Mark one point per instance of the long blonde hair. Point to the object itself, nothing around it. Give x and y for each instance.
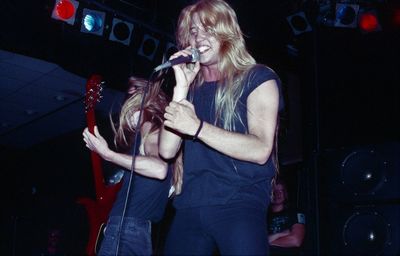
(154, 106)
(218, 18)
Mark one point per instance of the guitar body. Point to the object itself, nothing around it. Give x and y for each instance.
(97, 211)
(99, 208)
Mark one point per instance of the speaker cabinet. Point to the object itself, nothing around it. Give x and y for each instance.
(359, 200)
(361, 174)
(360, 230)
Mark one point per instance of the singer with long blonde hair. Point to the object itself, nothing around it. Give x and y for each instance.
(224, 113)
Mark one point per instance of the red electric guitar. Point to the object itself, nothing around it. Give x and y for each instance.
(99, 208)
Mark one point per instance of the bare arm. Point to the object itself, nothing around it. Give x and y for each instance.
(256, 146)
(149, 165)
(275, 236)
(293, 238)
(170, 139)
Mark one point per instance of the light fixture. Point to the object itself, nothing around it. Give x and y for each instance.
(121, 31)
(65, 10)
(149, 47)
(346, 15)
(369, 22)
(299, 23)
(92, 21)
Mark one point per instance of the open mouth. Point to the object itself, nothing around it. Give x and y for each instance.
(203, 49)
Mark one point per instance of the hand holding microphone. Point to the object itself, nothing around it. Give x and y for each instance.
(184, 75)
(193, 57)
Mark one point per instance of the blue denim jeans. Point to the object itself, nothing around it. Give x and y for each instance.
(135, 237)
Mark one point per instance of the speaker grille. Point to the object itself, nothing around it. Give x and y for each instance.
(363, 172)
(366, 234)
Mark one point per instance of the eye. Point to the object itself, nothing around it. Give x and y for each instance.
(193, 31)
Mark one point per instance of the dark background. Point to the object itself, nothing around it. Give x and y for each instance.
(341, 88)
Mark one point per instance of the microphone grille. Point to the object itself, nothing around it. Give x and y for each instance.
(195, 54)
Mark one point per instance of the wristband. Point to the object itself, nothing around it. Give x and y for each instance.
(198, 130)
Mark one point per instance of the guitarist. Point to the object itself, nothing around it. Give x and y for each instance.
(151, 181)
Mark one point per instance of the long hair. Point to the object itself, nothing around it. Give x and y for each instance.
(219, 19)
(154, 106)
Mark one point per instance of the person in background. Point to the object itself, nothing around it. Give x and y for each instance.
(286, 225)
(148, 194)
(224, 114)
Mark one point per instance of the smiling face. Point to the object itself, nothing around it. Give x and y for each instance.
(205, 41)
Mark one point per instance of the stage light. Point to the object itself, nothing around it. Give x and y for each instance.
(65, 10)
(149, 47)
(93, 21)
(346, 15)
(368, 22)
(299, 23)
(121, 31)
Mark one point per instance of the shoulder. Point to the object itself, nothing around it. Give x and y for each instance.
(259, 75)
(149, 139)
(262, 81)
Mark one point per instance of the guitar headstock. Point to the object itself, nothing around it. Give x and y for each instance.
(94, 88)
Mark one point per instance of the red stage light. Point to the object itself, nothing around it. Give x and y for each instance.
(65, 9)
(369, 22)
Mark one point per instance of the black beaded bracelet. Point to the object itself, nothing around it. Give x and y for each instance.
(198, 130)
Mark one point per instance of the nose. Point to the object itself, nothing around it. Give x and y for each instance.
(200, 35)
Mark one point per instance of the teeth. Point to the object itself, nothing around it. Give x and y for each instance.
(203, 49)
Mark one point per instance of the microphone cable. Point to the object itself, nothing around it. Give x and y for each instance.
(131, 176)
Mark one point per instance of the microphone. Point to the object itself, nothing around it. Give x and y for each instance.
(195, 56)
